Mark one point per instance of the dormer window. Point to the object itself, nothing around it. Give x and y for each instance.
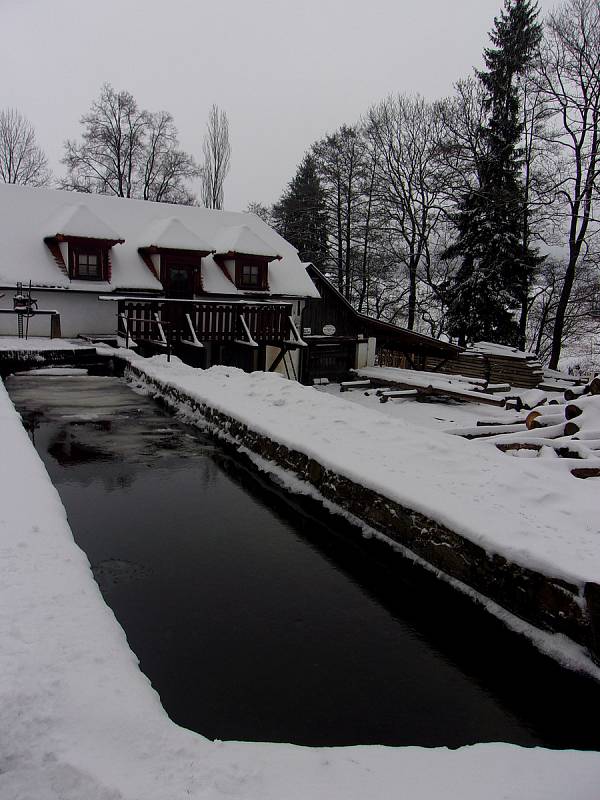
(250, 277)
(244, 255)
(82, 244)
(88, 264)
(251, 273)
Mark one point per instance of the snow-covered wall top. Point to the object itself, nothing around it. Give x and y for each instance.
(27, 215)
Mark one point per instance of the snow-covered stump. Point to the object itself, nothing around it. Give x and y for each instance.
(548, 602)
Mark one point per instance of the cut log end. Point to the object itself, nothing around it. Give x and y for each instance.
(571, 428)
(586, 472)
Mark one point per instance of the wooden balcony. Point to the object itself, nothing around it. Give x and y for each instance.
(197, 322)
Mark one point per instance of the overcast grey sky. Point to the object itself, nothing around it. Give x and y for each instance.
(285, 72)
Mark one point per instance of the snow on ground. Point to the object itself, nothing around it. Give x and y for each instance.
(527, 512)
(79, 720)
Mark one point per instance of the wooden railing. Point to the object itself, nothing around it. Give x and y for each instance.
(210, 321)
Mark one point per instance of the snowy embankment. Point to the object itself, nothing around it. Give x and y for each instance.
(529, 515)
(39, 344)
(79, 720)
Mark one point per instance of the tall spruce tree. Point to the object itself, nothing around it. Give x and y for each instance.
(496, 264)
(300, 216)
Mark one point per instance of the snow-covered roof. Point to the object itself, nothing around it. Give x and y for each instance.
(242, 239)
(172, 233)
(214, 279)
(79, 220)
(28, 215)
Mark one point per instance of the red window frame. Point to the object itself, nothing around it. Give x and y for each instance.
(101, 254)
(258, 267)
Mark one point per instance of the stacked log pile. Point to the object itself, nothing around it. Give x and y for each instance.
(567, 429)
(494, 363)
(391, 381)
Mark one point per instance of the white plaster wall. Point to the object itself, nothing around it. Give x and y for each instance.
(64, 249)
(155, 258)
(229, 264)
(79, 313)
(362, 354)
(273, 352)
(372, 347)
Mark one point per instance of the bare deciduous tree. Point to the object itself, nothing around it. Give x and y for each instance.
(217, 158)
(340, 160)
(21, 159)
(406, 133)
(569, 79)
(261, 211)
(463, 117)
(165, 167)
(128, 152)
(105, 162)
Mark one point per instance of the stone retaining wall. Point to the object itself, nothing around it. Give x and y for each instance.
(549, 603)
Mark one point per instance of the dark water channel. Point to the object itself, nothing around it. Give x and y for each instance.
(259, 617)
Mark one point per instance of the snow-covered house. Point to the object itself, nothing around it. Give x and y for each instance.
(238, 288)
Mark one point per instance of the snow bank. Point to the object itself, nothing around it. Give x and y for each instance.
(79, 720)
(527, 513)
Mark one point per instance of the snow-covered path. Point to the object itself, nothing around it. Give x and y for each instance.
(78, 719)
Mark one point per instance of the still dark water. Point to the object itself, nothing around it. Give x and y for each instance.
(260, 618)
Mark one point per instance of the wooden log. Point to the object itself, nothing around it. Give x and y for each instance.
(571, 428)
(545, 420)
(500, 422)
(402, 394)
(575, 391)
(554, 374)
(593, 434)
(346, 386)
(531, 417)
(505, 447)
(591, 444)
(537, 436)
(513, 403)
(586, 472)
(497, 387)
(482, 432)
(572, 411)
(556, 386)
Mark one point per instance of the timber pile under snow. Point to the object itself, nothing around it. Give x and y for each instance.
(567, 428)
(495, 362)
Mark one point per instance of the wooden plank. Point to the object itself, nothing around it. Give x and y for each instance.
(399, 395)
(346, 386)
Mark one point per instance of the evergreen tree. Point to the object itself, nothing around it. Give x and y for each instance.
(300, 216)
(496, 264)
